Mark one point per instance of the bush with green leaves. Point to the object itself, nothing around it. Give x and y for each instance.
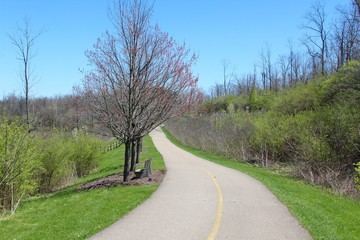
(295, 100)
(260, 100)
(19, 164)
(85, 153)
(312, 128)
(58, 169)
(357, 175)
(68, 156)
(344, 86)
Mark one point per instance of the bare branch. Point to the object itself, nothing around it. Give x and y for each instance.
(24, 40)
(316, 34)
(141, 77)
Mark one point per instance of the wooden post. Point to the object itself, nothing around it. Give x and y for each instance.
(147, 171)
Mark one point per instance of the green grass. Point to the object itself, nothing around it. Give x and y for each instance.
(150, 151)
(323, 214)
(70, 214)
(113, 161)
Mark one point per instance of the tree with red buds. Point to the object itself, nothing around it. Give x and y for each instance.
(140, 76)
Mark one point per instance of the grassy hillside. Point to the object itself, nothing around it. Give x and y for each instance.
(310, 130)
(73, 214)
(323, 214)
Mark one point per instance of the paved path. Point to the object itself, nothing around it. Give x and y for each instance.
(202, 200)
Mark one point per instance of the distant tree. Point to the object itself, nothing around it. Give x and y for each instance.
(10, 106)
(284, 69)
(345, 38)
(24, 40)
(263, 65)
(316, 36)
(243, 84)
(141, 77)
(267, 69)
(227, 77)
(217, 90)
(357, 4)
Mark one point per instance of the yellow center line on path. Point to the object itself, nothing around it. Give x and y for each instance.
(217, 223)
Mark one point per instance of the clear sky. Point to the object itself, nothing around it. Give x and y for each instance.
(217, 30)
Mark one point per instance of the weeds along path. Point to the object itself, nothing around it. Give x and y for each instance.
(202, 200)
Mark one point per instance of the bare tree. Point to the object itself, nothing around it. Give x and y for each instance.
(284, 66)
(243, 84)
(316, 36)
(345, 36)
(266, 67)
(263, 69)
(291, 60)
(24, 40)
(217, 91)
(338, 42)
(227, 77)
(357, 4)
(141, 77)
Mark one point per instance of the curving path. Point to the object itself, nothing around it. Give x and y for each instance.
(202, 200)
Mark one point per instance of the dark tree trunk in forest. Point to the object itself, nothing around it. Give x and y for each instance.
(3, 199)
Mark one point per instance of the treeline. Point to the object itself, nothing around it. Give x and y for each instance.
(60, 143)
(311, 131)
(45, 113)
(40, 162)
(328, 42)
(64, 113)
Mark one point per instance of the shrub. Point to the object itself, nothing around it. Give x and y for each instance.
(343, 86)
(19, 164)
(262, 100)
(294, 100)
(312, 128)
(56, 161)
(357, 175)
(86, 151)
(68, 156)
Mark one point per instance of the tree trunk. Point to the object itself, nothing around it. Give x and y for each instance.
(2, 199)
(127, 158)
(133, 153)
(138, 150)
(5, 201)
(12, 202)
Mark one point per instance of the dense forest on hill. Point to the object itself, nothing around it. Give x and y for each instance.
(311, 131)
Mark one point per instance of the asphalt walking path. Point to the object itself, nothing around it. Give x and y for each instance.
(199, 199)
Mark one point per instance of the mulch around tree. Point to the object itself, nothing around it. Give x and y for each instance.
(117, 179)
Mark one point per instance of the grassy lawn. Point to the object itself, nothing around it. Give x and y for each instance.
(70, 214)
(113, 161)
(323, 214)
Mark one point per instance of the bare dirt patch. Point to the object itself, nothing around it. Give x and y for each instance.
(117, 179)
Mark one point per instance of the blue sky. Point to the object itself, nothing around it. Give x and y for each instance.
(232, 30)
